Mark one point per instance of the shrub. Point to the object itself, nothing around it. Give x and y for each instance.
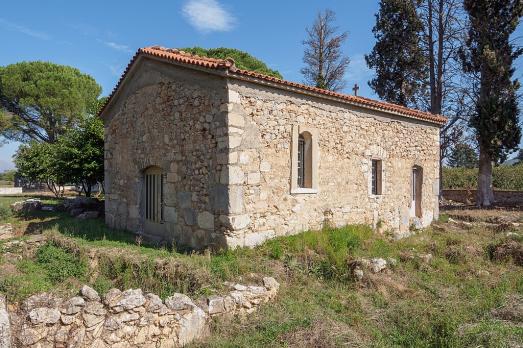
(503, 178)
(60, 264)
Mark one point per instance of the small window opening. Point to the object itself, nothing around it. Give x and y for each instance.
(301, 161)
(376, 177)
(154, 195)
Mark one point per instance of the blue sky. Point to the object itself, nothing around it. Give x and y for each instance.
(100, 37)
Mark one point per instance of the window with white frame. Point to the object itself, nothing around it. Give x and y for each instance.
(376, 177)
(304, 177)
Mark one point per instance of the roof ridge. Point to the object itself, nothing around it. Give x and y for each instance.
(228, 64)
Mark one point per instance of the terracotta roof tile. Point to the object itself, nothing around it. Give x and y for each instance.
(227, 65)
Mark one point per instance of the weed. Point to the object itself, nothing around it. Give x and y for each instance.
(60, 264)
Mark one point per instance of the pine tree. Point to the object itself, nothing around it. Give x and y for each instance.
(397, 56)
(325, 64)
(490, 55)
(464, 156)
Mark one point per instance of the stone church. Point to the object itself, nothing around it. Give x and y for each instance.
(205, 155)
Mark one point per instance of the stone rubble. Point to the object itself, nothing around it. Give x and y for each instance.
(6, 231)
(127, 318)
(29, 205)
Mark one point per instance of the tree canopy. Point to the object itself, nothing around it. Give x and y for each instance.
(397, 56)
(464, 156)
(243, 60)
(41, 100)
(489, 55)
(76, 157)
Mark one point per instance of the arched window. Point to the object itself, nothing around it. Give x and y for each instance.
(153, 182)
(304, 160)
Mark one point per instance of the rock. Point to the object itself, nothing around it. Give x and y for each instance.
(6, 231)
(41, 300)
(47, 208)
(270, 283)
(111, 297)
(377, 265)
(5, 327)
(95, 308)
(31, 335)
(26, 206)
(392, 261)
(179, 302)
(358, 273)
(426, 258)
(73, 305)
(92, 319)
(131, 299)
(153, 303)
(193, 325)
(44, 315)
(88, 215)
(215, 305)
(89, 293)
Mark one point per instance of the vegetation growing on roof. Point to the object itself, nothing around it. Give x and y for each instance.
(242, 60)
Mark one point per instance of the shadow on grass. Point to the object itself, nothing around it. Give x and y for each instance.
(91, 230)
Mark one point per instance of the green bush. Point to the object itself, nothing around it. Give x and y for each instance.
(60, 264)
(503, 178)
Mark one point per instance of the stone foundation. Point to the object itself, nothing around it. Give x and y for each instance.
(123, 319)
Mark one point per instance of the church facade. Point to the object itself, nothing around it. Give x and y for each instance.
(205, 155)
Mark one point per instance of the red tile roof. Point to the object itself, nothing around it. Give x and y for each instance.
(228, 67)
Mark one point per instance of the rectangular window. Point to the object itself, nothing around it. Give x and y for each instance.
(376, 177)
(301, 162)
(154, 197)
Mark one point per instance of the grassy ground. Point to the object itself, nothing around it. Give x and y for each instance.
(462, 297)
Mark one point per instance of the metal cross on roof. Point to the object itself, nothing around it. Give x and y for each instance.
(356, 88)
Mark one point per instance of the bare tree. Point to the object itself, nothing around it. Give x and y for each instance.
(449, 90)
(325, 64)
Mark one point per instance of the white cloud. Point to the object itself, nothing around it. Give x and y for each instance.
(24, 30)
(208, 15)
(117, 46)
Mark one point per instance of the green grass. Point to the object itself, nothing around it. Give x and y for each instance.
(443, 303)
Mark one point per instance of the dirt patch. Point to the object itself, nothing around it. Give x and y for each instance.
(507, 250)
(492, 216)
(321, 334)
(511, 311)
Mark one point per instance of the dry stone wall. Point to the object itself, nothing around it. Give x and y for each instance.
(259, 166)
(123, 319)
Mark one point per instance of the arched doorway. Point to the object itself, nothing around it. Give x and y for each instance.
(416, 191)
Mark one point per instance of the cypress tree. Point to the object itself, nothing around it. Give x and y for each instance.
(490, 55)
(397, 57)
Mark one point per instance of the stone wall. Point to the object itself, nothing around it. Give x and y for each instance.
(348, 138)
(123, 319)
(510, 198)
(171, 118)
(5, 191)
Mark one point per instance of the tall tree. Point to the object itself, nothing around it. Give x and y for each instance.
(490, 55)
(41, 100)
(397, 56)
(325, 65)
(447, 88)
(463, 155)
